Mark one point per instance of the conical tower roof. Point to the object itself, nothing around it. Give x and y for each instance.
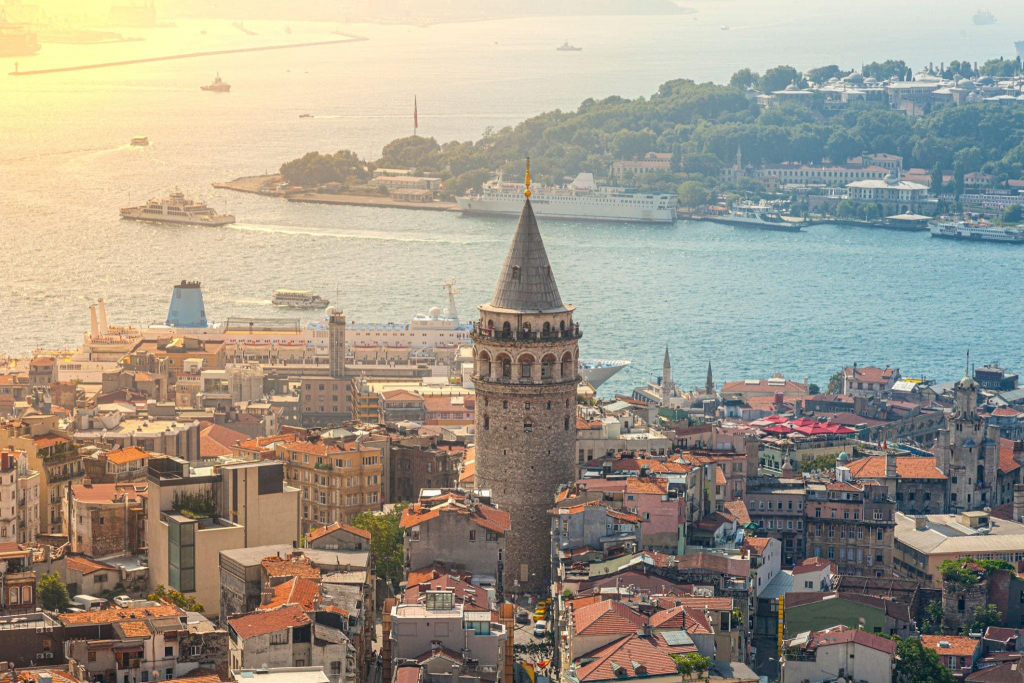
(527, 282)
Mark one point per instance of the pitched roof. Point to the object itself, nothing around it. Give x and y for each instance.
(197, 676)
(126, 455)
(756, 544)
(959, 646)
(263, 441)
(108, 493)
(630, 657)
(298, 591)
(643, 485)
(293, 565)
(320, 532)
(907, 467)
(527, 282)
(845, 634)
(260, 623)
(483, 515)
(1007, 463)
(87, 566)
(813, 564)
(607, 616)
(738, 509)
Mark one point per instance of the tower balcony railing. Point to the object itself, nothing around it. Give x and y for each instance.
(527, 381)
(570, 333)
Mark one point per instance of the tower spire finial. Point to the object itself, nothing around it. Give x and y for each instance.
(527, 190)
(967, 369)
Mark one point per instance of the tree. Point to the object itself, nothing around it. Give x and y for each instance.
(936, 179)
(933, 618)
(176, 598)
(691, 663)
(917, 664)
(702, 164)
(53, 594)
(778, 77)
(692, 194)
(1014, 213)
(958, 178)
(835, 383)
(411, 152)
(983, 617)
(823, 73)
(813, 389)
(630, 144)
(744, 78)
(890, 68)
(385, 542)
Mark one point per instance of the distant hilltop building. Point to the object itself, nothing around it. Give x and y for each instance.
(653, 162)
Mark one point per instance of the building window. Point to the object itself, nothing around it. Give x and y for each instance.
(181, 555)
(472, 535)
(527, 427)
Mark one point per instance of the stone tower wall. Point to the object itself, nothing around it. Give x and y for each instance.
(336, 343)
(526, 449)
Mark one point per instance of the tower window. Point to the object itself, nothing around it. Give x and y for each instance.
(566, 424)
(527, 426)
(487, 421)
(515, 272)
(527, 405)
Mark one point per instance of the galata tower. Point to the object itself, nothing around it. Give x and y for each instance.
(525, 349)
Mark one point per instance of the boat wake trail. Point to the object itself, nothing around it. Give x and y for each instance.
(368, 235)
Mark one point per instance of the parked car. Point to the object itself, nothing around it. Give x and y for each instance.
(540, 629)
(522, 617)
(123, 601)
(89, 602)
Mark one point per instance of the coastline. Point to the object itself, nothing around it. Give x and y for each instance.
(262, 184)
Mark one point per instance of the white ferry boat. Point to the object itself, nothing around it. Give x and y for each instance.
(597, 372)
(582, 199)
(761, 216)
(176, 209)
(298, 298)
(974, 230)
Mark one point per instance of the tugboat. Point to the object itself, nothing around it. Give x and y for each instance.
(217, 85)
(566, 47)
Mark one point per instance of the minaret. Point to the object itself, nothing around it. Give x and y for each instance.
(709, 384)
(666, 379)
(525, 350)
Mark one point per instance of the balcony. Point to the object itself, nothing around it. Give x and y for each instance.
(526, 336)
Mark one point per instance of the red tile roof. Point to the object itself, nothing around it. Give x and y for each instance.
(844, 634)
(813, 564)
(293, 565)
(959, 646)
(907, 467)
(320, 532)
(116, 614)
(87, 566)
(298, 591)
(108, 493)
(630, 657)
(638, 485)
(488, 517)
(197, 676)
(126, 455)
(261, 623)
(264, 441)
(738, 509)
(606, 617)
(1007, 463)
(714, 563)
(756, 544)
(47, 440)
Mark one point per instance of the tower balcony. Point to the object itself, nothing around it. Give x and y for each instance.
(482, 333)
(527, 381)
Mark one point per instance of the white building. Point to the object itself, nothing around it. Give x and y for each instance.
(837, 652)
(19, 499)
(889, 189)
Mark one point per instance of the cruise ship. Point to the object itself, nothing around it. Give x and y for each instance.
(582, 199)
(176, 209)
(298, 298)
(974, 230)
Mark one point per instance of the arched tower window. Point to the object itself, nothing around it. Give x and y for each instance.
(526, 328)
(483, 368)
(547, 366)
(525, 366)
(506, 366)
(527, 426)
(567, 371)
(506, 330)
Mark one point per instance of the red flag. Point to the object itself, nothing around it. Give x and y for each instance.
(415, 114)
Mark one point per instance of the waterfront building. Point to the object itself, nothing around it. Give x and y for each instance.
(894, 194)
(652, 162)
(868, 381)
(832, 175)
(407, 182)
(195, 513)
(338, 478)
(526, 373)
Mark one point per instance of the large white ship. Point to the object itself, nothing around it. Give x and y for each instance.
(975, 231)
(582, 199)
(176, 209)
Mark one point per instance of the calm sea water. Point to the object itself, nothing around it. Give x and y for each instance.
(751, 303)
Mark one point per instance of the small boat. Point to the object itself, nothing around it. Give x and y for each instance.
(140, 141)
(217, 85)
(566, 47)
(725, 27)
(980, 231)
(305, 116)
(759, 216)
(176, 208)
(298, 298)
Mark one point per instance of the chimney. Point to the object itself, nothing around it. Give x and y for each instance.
(94, 329)
(778, 398)
(103, 317)
(1018, 502)
(920, 523)
(890, 464)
